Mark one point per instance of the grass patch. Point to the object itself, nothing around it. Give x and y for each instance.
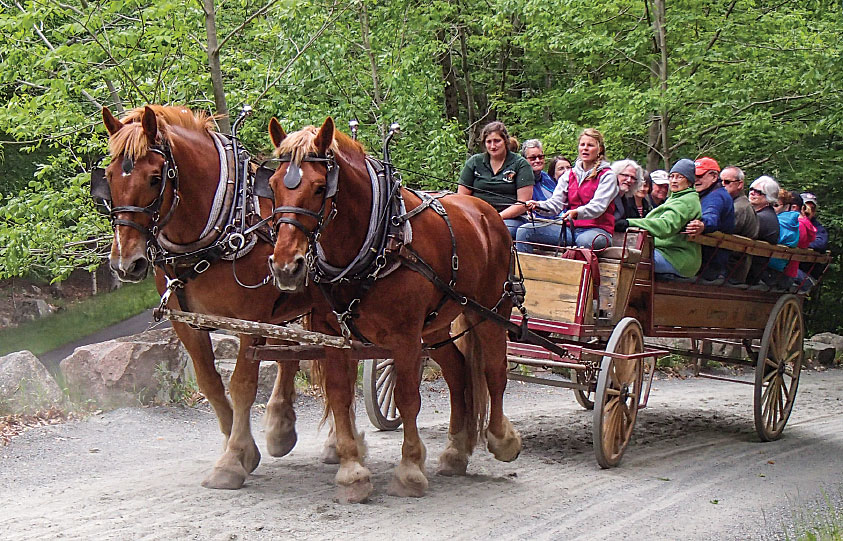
(822, 521)
(80, 319)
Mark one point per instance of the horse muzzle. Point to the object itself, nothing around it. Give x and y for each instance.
(288, 276)
(133, 270)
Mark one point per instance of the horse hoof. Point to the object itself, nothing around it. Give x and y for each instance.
(280, 431)
(355, 492)
(329, 454)
(451, 463)
(507, 448)
(411, 486)
(251, 459)
(280, 444)
(225, 479)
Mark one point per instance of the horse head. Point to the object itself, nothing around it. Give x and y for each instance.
(136, 178)
(304, 186)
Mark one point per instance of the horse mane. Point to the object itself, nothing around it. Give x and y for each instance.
(131, 139)
(301, 143)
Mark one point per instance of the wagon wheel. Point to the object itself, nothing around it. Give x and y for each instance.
(618, 394)
(777, 369)
(378, 387)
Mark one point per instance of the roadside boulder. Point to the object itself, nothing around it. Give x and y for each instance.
(830, 338)
(819, 353)
(127, 371)
(25, 384)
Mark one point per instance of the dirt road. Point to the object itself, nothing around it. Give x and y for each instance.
(694, 470)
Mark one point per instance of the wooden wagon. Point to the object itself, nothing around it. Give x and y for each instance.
(603, 328)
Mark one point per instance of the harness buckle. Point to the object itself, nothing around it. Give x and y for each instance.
(172, 172)
(396, 221)
(202, 266)
(455, 263)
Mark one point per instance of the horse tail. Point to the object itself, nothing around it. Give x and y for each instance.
(319, 380)
(477, 391)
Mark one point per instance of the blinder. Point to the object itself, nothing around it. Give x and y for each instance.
(99, 185)
(261, 186)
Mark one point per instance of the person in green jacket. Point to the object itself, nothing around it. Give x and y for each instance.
(674, 253)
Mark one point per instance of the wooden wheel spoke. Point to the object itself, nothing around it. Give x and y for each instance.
(383, 363)
(392, 407)
(769, 376)
(613, 392)
(384, 376)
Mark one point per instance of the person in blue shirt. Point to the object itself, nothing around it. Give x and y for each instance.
(718, 214)
(544, 183)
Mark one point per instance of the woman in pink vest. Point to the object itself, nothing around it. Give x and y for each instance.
(588, 193)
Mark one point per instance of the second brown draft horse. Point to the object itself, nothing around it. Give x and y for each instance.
(323, 197)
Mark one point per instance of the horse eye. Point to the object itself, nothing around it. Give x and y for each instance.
(155, 180)
(320, 190)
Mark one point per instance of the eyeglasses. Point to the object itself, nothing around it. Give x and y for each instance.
(624, 175)
(537, 157)
(756, 191)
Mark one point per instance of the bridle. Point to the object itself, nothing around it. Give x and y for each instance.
(292, 180)
(169, 173)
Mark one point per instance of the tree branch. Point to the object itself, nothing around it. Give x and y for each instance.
(307, 45)
(249, 19)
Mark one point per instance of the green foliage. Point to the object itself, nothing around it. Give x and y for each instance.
(752, 83)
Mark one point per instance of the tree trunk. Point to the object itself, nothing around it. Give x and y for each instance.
(452, 104)
(473, 129)
(377, 99)
(214, 65)
(658, 135)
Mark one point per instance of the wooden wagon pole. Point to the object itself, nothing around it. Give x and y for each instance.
(266, 330)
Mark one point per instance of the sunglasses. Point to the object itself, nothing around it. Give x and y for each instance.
(756, 191)
(536, 157)
(727, 182)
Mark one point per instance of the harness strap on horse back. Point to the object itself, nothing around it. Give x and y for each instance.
(411, 260)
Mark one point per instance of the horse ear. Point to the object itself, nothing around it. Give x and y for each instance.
(325, 136)
(112, 125)
(150, 124)
(276, 132)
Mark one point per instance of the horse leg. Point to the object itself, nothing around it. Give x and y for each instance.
(329, 450)
(409, 478)
(338, 381)
(280, 417)
(461, 437)
(502, 439)
(241, 455)
(198, 346)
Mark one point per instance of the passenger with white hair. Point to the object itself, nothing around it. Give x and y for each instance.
(763, 192)
(627, 204)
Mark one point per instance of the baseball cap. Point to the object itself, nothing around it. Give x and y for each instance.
(706, 164)
(659, 176)
(808, 197)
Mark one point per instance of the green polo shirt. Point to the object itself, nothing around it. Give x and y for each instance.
(499, 189)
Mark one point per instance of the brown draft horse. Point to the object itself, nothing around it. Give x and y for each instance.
(392, 313)
(138, 185)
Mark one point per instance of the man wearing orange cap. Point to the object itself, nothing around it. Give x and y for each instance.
(718, 214)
